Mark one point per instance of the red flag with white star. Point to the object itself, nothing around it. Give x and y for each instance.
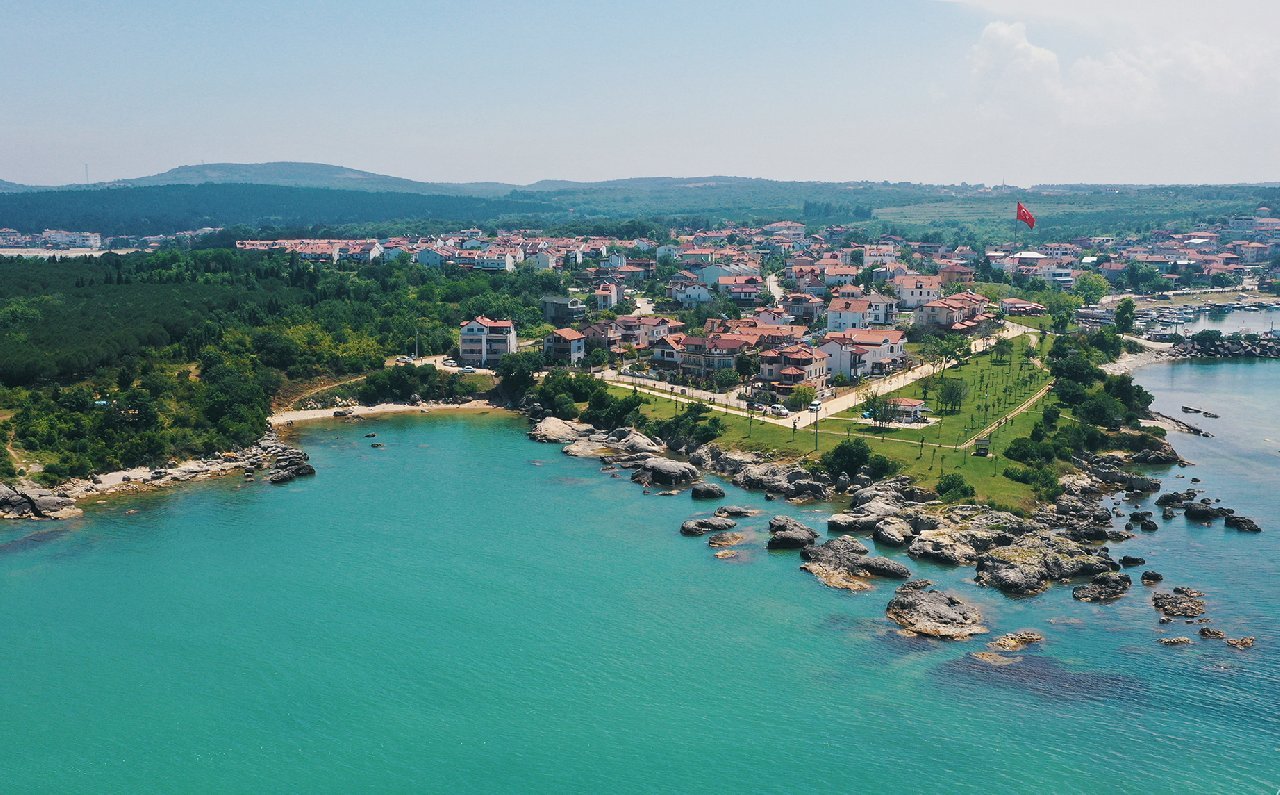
(1025, 216)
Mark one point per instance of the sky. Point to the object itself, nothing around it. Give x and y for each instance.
(938, 91)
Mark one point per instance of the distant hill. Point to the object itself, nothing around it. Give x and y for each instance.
(164, 209)
(284, 174)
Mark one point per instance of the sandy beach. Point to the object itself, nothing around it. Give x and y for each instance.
(141, 479)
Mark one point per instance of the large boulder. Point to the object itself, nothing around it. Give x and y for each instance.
(893, 531)
(1242, 523)
(707, 491)
(558, 431)
(965, 531)
(700, 527)
(788, 533)
(921, 610)
(632, 441)
(843, 552)
(1032, 562)
(665, 472)
(1104, 587)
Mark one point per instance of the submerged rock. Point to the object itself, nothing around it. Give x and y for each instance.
(1015, 641)
(1178, 641)
(924, 611)
(1178, 605)
(736, 510)
(726, 539)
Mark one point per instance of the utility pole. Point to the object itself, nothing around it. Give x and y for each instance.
(815, 430)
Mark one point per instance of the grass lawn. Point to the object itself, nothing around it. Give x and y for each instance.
(994, 389)
(923, 462)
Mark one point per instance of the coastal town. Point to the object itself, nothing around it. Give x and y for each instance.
(780, 319)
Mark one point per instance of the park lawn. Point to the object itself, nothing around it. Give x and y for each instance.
(924, 463)
(1041, 322)
(994, 390)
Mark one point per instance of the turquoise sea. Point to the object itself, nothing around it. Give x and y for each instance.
(466, 610)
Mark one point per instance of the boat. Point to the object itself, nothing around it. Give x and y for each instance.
(1211, 415)
(1192, 410)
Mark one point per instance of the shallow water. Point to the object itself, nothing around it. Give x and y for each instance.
(466, 609)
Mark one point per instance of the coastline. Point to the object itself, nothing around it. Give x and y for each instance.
(139, 480)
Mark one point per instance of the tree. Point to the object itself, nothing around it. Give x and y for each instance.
(846, 458)
(1091, 287)
(801, 397)
(516, 372)
(598, 358)
(953, 487)
(878, 409)
(951, 394)
(1002, 350)
(1124, 316)
(746, 365)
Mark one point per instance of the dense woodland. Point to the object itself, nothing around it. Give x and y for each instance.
(122, 361)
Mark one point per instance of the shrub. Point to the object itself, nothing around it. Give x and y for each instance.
(953, 487)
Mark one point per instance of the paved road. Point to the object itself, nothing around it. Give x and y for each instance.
(771, 281)
(644, 306)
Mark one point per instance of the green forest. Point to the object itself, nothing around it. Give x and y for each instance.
(129, 360)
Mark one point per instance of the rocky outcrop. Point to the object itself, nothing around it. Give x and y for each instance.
(894, 531)
(700, 527)
(1242, 523)
(665, 472)
(1178, 641)
(736, 510)
(726, 539)
(1210, 632)
(1032, 562)
(1015, 641)
(788, 533)
(557, 431)
(707, 491)
(1182, 603)
(1129, 561)
(750, 471)
(1204, 512)
(1104, 587)
(842, 552)
(1151, 577)
(964, 532)
(924, 611)
(1241, 643)
(33, 503)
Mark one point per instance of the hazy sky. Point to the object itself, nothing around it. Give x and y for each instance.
(922, 90)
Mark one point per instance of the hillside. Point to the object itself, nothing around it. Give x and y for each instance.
(165, 209)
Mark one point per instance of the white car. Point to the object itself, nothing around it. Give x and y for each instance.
(779, 410)
(468, 369)
(815, 406)
(450, 363)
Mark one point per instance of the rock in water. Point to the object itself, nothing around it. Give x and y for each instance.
(1151, 577)
(1179, 641)
(1242, 523)
(841, 552)
(1105, 587)
(726, 539)
(834, 577)
(1241, 643)
(707, 491)
(893, 531)
(665, 472)
(735, 510)
(700, 527)
(1031, 562)
(1015, 641)
(1210, 632)
(924, 611)
(557, 431)
(788, 533)
(1176, 605)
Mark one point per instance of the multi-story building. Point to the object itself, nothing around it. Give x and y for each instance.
(563, 310)
(916, 290)
(484, 341)
(564, 345)
(787, 368)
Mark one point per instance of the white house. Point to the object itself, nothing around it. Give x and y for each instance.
(917, 290)
(484, 341)
(689, 294)
(847, 313)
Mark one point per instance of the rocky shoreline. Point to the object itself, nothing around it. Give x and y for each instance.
(278, 462)
(1062, 543)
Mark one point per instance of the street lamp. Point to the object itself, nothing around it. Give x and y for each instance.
(816, 409)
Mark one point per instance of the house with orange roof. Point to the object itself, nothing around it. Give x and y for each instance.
(565, 345)
(786, 369)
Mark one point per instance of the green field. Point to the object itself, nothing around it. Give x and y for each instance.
(994, 390)
(923, 461)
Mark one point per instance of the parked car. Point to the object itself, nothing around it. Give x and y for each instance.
(450, 363)
(468, 369)
(754, 406)
(815, 406)
(779, 410)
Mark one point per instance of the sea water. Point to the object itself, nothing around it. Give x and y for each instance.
(467, 610)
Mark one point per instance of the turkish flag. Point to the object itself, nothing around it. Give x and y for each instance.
(1025, 216)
